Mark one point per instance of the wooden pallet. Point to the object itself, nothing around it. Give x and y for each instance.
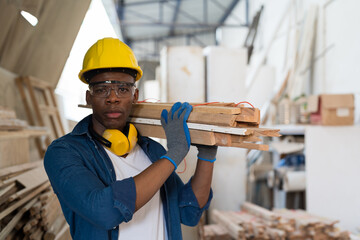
(41, 108)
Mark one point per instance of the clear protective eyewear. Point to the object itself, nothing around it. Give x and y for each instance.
(103, 89)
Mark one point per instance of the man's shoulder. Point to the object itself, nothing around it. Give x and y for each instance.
(151, 147)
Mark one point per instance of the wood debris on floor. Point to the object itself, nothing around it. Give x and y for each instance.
(255, 222)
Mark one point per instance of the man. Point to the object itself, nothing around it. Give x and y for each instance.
(111, 191)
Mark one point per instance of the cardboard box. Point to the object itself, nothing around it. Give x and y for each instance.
(332, 109)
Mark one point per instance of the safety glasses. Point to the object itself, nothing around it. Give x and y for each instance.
(103, 89)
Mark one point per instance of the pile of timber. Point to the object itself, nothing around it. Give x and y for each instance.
(254, 222)
(221, 124)
(28, 207)
(8, 120)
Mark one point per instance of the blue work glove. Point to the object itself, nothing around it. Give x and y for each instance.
(177, 132)
(206, 153)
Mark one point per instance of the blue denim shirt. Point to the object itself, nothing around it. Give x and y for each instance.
(94, 203)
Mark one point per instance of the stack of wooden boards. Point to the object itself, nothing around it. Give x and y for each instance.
(28, 207)
(8, 120)
(258, 223)
(221, 124)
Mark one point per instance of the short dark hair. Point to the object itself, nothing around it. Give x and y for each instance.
(92, 73)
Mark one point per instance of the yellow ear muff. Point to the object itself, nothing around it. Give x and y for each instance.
(120, 144)
(132, 136)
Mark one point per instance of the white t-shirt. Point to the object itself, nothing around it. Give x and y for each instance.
(148, 222)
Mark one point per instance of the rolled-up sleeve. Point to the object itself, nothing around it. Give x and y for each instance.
(190, 211)
(84, 193)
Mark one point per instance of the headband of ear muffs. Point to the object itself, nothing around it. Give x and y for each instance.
(116, 141)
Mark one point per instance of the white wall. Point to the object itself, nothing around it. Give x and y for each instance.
(332, 174)
(336, 70)
(96, 25)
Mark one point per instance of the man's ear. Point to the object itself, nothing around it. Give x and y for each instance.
(136, 96)
(88, 98)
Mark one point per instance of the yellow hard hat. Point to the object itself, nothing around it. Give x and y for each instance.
(109, 53)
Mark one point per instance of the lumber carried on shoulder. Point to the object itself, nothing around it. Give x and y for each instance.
(220, 124)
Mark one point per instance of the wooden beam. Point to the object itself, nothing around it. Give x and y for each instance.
(19, 203)
(259, 211)
(197, 137)
(236, 231)
(11, 225)
(251, 115)
(195, 117)
(19, 168)
(203, 108)
(195, 126)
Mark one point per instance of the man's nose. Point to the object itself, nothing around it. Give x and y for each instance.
(113, 96)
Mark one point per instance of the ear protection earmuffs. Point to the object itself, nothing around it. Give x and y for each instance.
(116, 141)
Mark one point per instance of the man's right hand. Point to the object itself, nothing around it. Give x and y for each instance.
(177, 132)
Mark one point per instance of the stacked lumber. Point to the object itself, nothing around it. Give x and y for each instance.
(220, 124)
(254, 222)
(28, 207)
(8, 120)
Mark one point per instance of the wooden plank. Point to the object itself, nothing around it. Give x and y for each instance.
(251, 115)
(196, 126)
(29, 225)
(19, 203)
(197, 137)
(11, 225)
(50, 206)
(35, 102)
(52, 230)
(25, 133)
(234, 230)
(28, 110)
(60, 127)
(267, 132)
(64, 231)
(219, 104)
(6, 113)
(28, 180)
(7, 191)
(37, 235)
(37, 83)
(215, 231)
(246, 125)
(48, 109)
(223, 139)
(194, 117)
(259, 211)
(240, 139)
(203, 108)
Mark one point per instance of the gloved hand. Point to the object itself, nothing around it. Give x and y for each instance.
(206, 153)
(177, 132)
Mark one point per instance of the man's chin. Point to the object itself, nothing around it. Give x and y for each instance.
(118, 126)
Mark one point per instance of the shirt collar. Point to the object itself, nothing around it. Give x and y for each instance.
(83, 126)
